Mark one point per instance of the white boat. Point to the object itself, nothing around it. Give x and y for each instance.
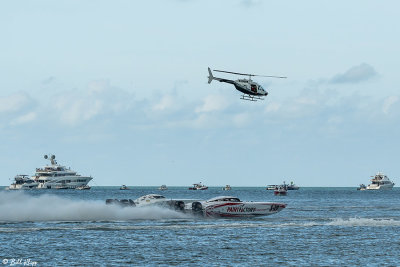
(380, 182)
(56, 176)
(198, 186)
(362, 187)
(83, 187)
(271, 187)
(22, 182)
(227, 187)
(228, 206)
(151, 200)
(280, 191)
(123, 187)
(163, 187)
(291, 186)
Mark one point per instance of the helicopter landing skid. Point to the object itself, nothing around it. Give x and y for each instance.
(251, 98)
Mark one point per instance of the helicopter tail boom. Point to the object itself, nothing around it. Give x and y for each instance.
(211, 78)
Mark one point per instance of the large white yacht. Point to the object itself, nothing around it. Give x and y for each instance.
(22, 181)
(380, 182)
(56, 176)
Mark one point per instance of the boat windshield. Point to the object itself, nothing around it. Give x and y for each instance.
(225, 199)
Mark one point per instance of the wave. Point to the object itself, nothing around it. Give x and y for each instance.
(364, 222)
(21, 207)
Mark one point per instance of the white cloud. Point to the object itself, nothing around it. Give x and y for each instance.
(273, 107)
(74, 107)
(388, 103)
(213, 103)
(165, 103)
(241, 119)
(14, 102)
(28, 117)
(355, 74)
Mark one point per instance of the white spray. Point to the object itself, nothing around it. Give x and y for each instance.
(19, 207)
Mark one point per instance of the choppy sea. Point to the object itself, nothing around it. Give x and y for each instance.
(320, 227)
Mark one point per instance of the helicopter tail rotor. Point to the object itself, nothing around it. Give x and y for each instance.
(210, 77)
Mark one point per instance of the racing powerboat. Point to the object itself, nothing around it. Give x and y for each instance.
(228, 206)
(150, 200)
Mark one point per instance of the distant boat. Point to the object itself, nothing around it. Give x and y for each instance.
(23, 181)
(379, 182)
(198, 186)
(83, 187)
(272, 186)
(280, 191)
(291, 186)
(227, 187)
(163, 187)
(123, 187)
(362, 187)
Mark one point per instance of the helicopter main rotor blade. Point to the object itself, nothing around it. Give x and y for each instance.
(244, 74)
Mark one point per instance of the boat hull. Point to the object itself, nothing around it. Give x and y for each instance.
(249, 209)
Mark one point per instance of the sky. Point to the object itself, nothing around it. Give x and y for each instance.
(118, 90)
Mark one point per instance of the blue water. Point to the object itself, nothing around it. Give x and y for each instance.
(320, 226)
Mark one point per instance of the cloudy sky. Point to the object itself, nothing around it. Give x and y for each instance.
(118, 90)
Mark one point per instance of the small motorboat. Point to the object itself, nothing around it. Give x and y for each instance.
(163, 187)
(227, 187)
(362, 187)
(83, 187)
(292, 186)
(228, 206)
(280, 191)
(198, 186)
(271, 187)
(123, 187)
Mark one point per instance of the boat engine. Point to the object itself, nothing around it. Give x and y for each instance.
(197, 207)
(179, 205)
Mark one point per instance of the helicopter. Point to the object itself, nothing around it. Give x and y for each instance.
(251, 90)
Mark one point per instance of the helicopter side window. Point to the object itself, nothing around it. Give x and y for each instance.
(254, 88)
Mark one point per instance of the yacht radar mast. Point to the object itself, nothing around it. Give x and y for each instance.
(52, 159)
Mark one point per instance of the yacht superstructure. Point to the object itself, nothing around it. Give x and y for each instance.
(56, 176)
(379, 182)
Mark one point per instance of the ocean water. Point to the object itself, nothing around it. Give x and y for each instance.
(320, 227)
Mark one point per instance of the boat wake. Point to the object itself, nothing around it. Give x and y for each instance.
(21, 207)
(372, 222)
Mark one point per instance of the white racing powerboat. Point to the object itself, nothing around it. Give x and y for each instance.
(228, 206)
(151, 200)
(223, 206)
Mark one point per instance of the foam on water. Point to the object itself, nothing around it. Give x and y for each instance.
(21, 207)
(363, 222)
